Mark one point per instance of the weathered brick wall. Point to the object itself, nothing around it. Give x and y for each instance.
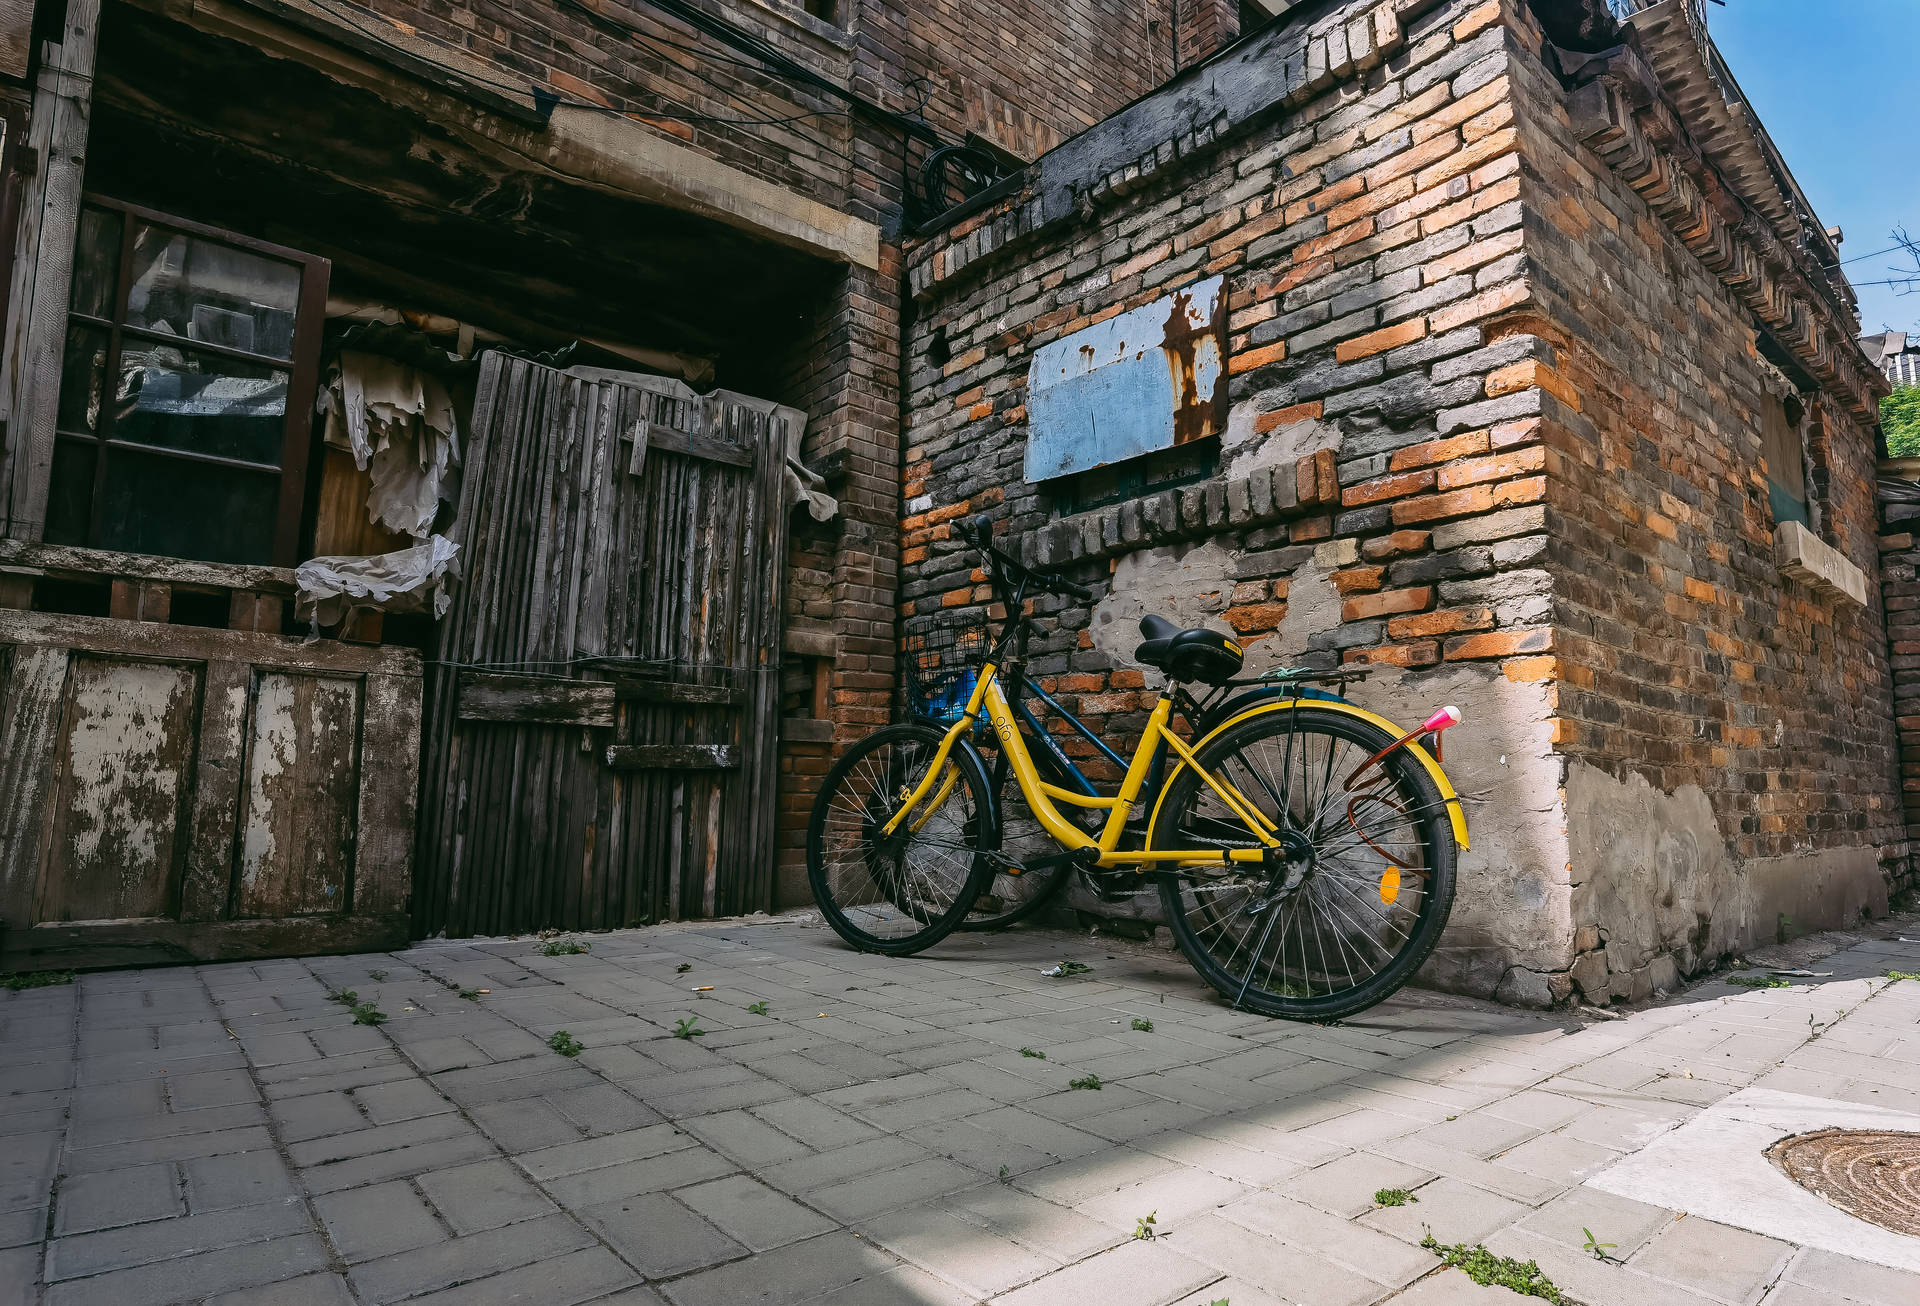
(1900, 575)
(1379, 496)
(1725, 729)
(1495, 431)
(698, 91)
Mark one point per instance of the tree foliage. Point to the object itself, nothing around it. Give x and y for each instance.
(1900, 419)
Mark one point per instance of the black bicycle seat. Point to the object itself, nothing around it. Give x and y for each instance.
(1192, 654)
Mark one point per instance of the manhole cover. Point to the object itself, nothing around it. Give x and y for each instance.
(1872, 1174)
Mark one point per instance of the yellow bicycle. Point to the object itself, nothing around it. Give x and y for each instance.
(1303, 847)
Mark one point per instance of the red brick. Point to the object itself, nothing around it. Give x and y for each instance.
(1499, 644)
(1386, 602)
(1374, 342)
(1383, 488)
(1432, 507)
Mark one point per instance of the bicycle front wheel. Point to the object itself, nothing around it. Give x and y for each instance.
(1356, 899)
(901, 891)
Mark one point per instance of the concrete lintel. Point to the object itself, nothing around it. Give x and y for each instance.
(1806, 557)
(473, 100)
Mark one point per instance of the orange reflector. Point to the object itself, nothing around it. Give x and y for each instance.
(1390, 885)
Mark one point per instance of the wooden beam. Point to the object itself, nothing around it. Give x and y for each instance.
(140, 600)
(675, 757)
(36, 328)
(696, 445)
(667, 691)
(535, 700)
(71, 561)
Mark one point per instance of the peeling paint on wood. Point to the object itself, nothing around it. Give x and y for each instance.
(1146, 380)
(162, 780)
(126, 744)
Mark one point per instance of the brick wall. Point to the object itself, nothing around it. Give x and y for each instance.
(1900, 570)
(1725, 728)
(1494, 432)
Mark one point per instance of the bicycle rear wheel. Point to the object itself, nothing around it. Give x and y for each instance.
(902, 892)
(1362, 892)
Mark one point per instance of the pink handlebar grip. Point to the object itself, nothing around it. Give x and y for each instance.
(1443, 719)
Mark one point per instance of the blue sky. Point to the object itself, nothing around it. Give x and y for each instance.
(1835, 83)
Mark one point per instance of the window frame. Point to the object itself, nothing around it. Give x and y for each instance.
(302, 367)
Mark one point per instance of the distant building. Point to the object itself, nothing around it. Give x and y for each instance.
(1895, 353)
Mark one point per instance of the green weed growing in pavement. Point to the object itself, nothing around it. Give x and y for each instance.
(35, 979)
(365, 1013)
(1488, 1270)
(683, 968)
(1144, 1026)
(1003, 1174)
(563, 948)
(1902, 974)
(471, 995)
(1067, 968)
(377, 976)
(1758, 982)
(758, 1008)
(1393, 1197)
(687, 1028)
(566, 1044)
(345, 997)
(1143, 1227)
(1090, 1081)
(1029, 1052)
(1595, 1248)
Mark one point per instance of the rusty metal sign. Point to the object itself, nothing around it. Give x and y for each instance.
(1148, 379)
(1871, 1174)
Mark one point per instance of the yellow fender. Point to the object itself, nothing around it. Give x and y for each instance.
(1454, 810)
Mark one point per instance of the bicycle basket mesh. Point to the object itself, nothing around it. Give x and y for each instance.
(943, 656)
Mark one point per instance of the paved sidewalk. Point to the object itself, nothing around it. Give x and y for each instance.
(228, 1134)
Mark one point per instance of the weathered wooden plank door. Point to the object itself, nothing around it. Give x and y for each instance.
(601, 746)
(178, 793)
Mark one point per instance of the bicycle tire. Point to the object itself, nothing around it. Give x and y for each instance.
(1209, 921)
(844, 847)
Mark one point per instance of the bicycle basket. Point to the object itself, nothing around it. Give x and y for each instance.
(942, 658)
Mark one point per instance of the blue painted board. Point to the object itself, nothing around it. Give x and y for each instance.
(1146, 380)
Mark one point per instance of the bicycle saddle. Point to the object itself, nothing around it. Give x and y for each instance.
(1192, 654)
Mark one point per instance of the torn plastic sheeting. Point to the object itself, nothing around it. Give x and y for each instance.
(328, 590)
(398, 422)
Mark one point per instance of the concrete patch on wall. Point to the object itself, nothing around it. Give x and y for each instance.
(1243, 447)
(1511, 933)
(1661, 896)
(1187, 584)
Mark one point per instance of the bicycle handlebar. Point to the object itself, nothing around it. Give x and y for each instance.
(978, 531)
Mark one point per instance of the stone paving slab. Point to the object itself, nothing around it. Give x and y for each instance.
(228, 1135)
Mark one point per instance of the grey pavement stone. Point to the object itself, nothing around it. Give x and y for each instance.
(670, 1170)
(119, 1156)
(1290, 1272)
(419, 1158)
(122, 1248)
(464, 1260)
(1712, 1259)
(379, 1138)
(218, 1183)
(1624, 1222)
(1451, 1211)
(382, 1220)
(405, 1099)
(580, 1276)
(795, 1273)
(1346, 1186)
(117, 1197)
(868, 1195)
(208, 1273)
(753, 1214)
(966, 1254)
(316, 1115)
(1132, 1274)
(659, 1236)
(524, 1126)
(485, 1195)
(309, 1290)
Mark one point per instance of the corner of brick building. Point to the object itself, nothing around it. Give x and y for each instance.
(1723, 731)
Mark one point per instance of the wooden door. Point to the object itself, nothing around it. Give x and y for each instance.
(178, 793)
(601, 746)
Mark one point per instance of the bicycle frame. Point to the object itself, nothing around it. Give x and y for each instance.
(1041, 796)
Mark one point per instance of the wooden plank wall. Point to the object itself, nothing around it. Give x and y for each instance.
(661, 592)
